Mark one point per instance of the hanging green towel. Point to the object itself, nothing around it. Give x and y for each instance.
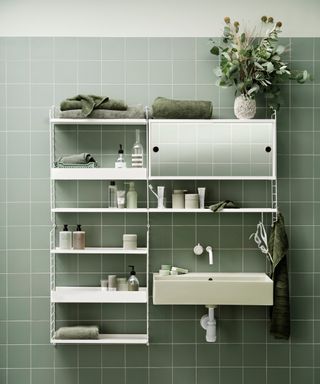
(280, 312)
(88, 102)
(163, 108)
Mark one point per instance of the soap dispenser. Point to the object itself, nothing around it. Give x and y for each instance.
(133, 282)
(78, 237)
(132, 197)
(65, 238)
(120, 163)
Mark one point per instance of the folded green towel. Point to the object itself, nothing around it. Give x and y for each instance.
(222, 205)
(78, 332)
(163, 108)
(88, 102)
(135, 112)
(280, 313)
(70, 104)
(81, 158)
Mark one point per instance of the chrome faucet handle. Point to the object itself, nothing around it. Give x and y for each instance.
(198, 249)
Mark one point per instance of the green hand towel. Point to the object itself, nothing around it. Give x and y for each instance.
(222, 205)
(78, 332)
(278, 248)
(81, 158)
(163, 108)
(89, 103)
(113, 104)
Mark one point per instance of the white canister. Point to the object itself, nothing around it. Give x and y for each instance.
(178, 198)
(191, 201)
(122, 284)
(129, 241)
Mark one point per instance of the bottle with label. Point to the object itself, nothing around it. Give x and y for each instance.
(112, 195)
(133, 282)
(132, 197)
(137, 152)
(78, 237)
(120, 163)
(65, 238)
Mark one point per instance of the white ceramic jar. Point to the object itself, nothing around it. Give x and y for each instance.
(191, 201)
(130, 241)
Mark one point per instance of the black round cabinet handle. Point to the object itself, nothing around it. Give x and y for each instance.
(155, 149)
(268, 149)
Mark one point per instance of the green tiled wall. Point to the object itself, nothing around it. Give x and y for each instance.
(36, 73)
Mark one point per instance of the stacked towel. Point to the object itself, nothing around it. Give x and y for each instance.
(81, 158)
(278, 247)
(78, 332)
(163, 108)
(87, 103)
(75, 103)
(222, 205)
(135, 112)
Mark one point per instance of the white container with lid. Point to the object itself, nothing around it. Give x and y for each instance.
(178, 198)
(191, 201)
(130, 241)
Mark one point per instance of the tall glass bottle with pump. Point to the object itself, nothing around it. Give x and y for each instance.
(137, 152)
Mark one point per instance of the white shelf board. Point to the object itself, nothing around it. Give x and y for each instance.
(96, 295)
(207, 210)
(107, 339)
(215, 121)
(243, 178)
(98, 173)
(97, 210)
(64, 121)
(97, 250)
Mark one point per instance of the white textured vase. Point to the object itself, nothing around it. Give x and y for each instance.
(244, 108)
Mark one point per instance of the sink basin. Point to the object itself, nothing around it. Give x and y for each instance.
(217, 288)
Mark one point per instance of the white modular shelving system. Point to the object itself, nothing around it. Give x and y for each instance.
(156, 142)
(95, 294)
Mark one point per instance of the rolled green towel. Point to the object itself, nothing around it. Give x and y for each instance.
(78, 332)
(163, 108)
(88, 102)
(117, 105)
(222, 205)
(81, 158)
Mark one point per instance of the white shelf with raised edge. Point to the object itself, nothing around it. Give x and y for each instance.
(99, 210)
(212, 178)
(96, 295)
(63, 121)
(207, 210)
(97, 250)
(107, 339)
(98, 173)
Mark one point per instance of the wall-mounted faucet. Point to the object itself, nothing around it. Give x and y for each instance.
(198, 250)
(210, 252)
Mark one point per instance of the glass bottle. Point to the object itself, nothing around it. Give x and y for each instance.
(137, 152)
(112, 195)
(120, 163)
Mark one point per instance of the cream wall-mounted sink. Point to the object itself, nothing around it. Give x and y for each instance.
(217, 288)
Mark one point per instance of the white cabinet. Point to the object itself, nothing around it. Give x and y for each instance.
(212, 149)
